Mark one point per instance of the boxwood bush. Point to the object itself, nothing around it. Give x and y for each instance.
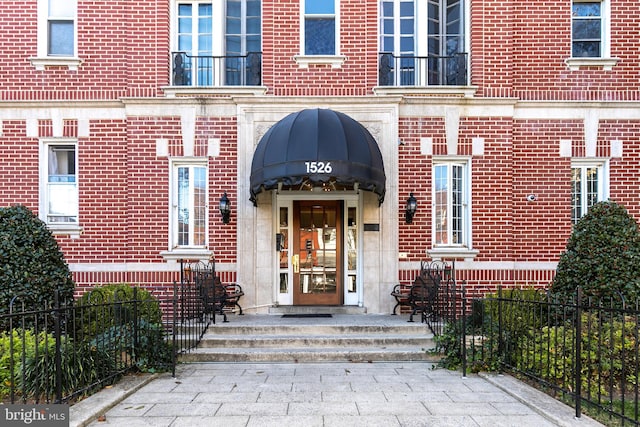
(602, 256)
(32, 266)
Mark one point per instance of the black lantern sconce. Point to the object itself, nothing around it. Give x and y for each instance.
(410, 210)
(225, 208)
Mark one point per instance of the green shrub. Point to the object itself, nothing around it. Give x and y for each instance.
(32, 266)
(34, 365)
(108, 323)
(15, 352)
(109, 306)
(608, 346)
(82, 366)
(602, 256)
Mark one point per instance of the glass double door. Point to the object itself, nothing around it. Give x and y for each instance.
(318, 253)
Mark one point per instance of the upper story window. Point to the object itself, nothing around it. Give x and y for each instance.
(61, 21)
(588, 186)
(189, 205)
(451, 213)
(59, 184)
(57, 34)
(422, 43)
(217, 43)
(590, 34)
(320, 27)
(587, 29)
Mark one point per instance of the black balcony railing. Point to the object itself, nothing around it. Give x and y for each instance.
(422, 70)
(211, 71)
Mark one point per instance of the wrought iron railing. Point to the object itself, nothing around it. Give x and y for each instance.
(583, 351)
(57, 353)
(213, 71)
(422, 71)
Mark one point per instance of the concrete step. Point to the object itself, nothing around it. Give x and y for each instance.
(299, 355)
(230, 329)
(359, 338)
(314, 341)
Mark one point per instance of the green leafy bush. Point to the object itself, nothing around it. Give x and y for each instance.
(34, 367)
(82, 366)
(602, 256)
(32, 266)
(14, 352)
(109, 306)
(108, 321)
(608, 346)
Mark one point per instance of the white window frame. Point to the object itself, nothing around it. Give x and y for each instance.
(604, 60)
(602, 165)
(217, 37)
(462, 249)
(58, 227)
(173, 209)
(336, 59)
(43, 59)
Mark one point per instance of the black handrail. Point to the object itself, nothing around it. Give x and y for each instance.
(431, 70)
(212, 71)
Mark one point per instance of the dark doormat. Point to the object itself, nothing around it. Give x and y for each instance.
(306, 315)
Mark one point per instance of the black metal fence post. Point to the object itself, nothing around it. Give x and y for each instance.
(58, 337)
(174, 325)
(136, 326)
(463, 333)
(500, 343)
(578, 353)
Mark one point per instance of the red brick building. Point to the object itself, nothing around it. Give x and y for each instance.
(124, 123)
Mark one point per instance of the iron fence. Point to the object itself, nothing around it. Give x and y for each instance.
(213, 71)
(421, 71)
(583, 351)
(58, 353)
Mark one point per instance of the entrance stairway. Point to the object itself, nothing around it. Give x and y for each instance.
(347, 335)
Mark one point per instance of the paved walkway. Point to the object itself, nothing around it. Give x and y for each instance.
(328, 394)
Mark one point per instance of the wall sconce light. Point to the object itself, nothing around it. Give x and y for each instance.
(225, 208)
(410, 210)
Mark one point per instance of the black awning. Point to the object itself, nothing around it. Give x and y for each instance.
(317, 146)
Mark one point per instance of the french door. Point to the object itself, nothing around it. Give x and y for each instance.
(317, 252)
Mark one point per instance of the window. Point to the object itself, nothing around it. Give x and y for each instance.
(57, 34)
(189, 213)
(217, 43)
(60, 28)
(587, 29)
(59, 201)
(320, 27)
(450, 203)
(422, 43)
(587, 187)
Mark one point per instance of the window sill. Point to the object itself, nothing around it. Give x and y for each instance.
(200, 254)
(52, 61)
(458, 91)
(607, 64)
(438, 254)
(187, 91)
(335, 61)
(71, 230)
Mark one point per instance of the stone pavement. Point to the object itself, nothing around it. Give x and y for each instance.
(322, 394)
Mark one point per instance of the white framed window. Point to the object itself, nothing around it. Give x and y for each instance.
(591, 34)
(57, 34)
(451, 203)
(320, 32)
(59, 183)
(587, 29)
(189, 204)
(216, 43)
(589, 185)
(423, 43)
